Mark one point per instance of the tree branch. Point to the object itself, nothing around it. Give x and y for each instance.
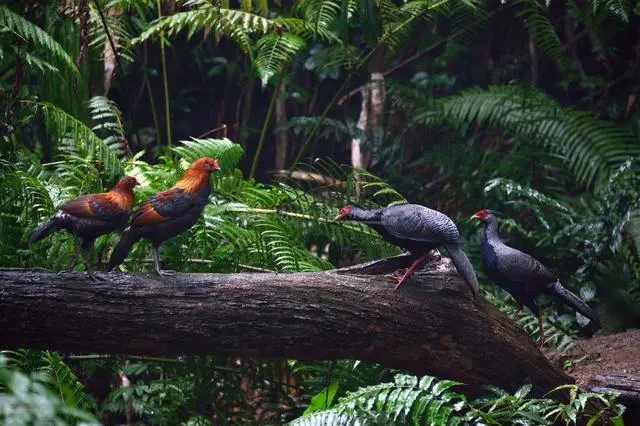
(432, 326)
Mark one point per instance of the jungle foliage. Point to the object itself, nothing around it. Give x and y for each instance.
(527, 107)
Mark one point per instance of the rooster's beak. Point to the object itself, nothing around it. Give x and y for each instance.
(338, 217)
(475, 216)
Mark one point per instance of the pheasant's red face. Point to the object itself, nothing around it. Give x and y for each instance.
(343, 212)
(480, 214)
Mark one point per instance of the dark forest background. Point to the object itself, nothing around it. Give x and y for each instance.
(527, 107)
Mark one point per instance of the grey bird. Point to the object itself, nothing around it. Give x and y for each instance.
(419, 230)
(521, 275)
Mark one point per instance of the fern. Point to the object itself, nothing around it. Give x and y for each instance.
(106, 115)
(274, 53)
(398, 22)
(54, 371)
(589, 147)
(28, 399)
(31, 33)
(319, 15)
(235, 24)
(543, 32)
(405, 401)
(78, 139)
(332, 59)
(616, 8)
(541, 205)
(120, 35)
(466, 20)
(227, 152)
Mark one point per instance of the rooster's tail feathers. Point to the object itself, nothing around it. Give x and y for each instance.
(47, 227)
(122, 249)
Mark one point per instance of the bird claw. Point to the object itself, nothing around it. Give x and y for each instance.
(94, 277)
(164, 272)
(398, 278)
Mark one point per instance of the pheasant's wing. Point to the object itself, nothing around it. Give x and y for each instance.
(522, 268)
(163, 206)
(418, 223)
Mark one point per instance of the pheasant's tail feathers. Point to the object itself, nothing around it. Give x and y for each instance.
(575, 302)
(47, 227)
(120, 252)
(463, 266)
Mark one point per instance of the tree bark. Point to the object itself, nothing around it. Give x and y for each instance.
(627, 386)
(431, 326)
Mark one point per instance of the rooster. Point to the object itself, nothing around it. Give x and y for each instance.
(168, 213)
(90, 216)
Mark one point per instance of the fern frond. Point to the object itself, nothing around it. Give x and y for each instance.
(335, 58)
(543, 32)
(109, 125)
(616, 8)
(406, 400)
(319, 16)
(227, 152)
(31, 33)
(78, 139)
(235, 24)
(119, 33)
(399, 22)
(590, 147)
(275, 52)
(39, 64)
(540, 204)
(466, 19)
(65, 382)
(384, 194)
(55, 373)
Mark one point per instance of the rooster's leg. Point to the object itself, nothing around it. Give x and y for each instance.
(410, 270)
(75, 254)
(156, 262)
(540, 331)
(84, 251)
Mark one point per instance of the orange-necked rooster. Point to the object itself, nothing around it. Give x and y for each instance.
(90, 216)
(168, 213)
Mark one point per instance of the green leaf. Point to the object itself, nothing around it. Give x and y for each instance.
(323, 399)
(36, 35)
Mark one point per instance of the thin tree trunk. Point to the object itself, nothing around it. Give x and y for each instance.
(533, 55)
(432, 326)
(281, 147)
(109, 56)
(247, 104)
(370, 119)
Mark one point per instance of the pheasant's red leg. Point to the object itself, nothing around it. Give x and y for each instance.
(540, 331)
(411, 269)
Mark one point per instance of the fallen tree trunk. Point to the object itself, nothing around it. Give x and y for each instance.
(430, 326)
(627, 386)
